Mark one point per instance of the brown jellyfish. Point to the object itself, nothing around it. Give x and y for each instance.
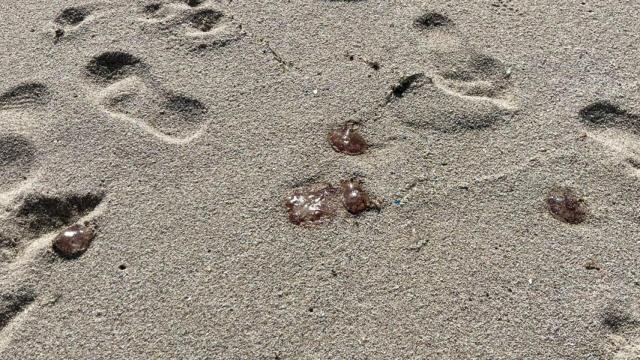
(347, 140)
(312, 205)
(354, 198)
(73, 241)
(565, 206)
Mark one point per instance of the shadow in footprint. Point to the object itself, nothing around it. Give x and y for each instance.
(69, 19)
(41, 214)
(606, 114)
(114, 65)
(432, 20)
(174, 118)
(72, 16)
(194, 3)
(38, 215)
(205, 20)
(12, 304)
(24, 96)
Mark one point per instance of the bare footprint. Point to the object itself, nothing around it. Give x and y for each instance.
(16, 304)
(70, 19)
(616, 129)
(194, 23)
(418, 102)
(604, 114)
(30, 225)
(12, 304)
(476, 76)
(460, 69)
(623, 331)
(25, 96)
(172, 117)
(111, 66)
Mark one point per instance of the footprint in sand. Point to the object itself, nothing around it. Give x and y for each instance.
(615, 128)
(468, 91)
(130, 94)
(14, 305)
(28, 217)
(25, 96)
(201, 24)
(70, 19)
(31, 224)
(623, 332)
(18, 155)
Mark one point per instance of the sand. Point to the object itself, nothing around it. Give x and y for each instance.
(179, 129)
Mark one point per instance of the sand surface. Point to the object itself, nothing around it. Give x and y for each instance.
(178, 130)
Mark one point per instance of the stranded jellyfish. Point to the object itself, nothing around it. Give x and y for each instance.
(354, 198)
(73, 241)
(565, 206)
(310, 205)
(347, 140)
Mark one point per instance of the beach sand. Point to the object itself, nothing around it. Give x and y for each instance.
(178, 130)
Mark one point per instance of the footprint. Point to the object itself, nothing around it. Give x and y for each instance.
(37, 216)
(432, 20)
(26, 95)
(475, 76)
(41, 214)
(17, 155)
(114, 65)
(12, 304)
(468, 90)
(604, 114)
(194, 3)
(72, 16)
(418, 102)
(616, 129)
(172, 117)
(623, 328)
(460, 69)
(202, 26)
(70, 19)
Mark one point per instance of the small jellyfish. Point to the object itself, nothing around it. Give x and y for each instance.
(311, 205)
(565, 206)
(347, 140)
(73, 241)
(354, 198)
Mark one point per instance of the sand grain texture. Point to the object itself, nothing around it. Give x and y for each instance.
(178, 128)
